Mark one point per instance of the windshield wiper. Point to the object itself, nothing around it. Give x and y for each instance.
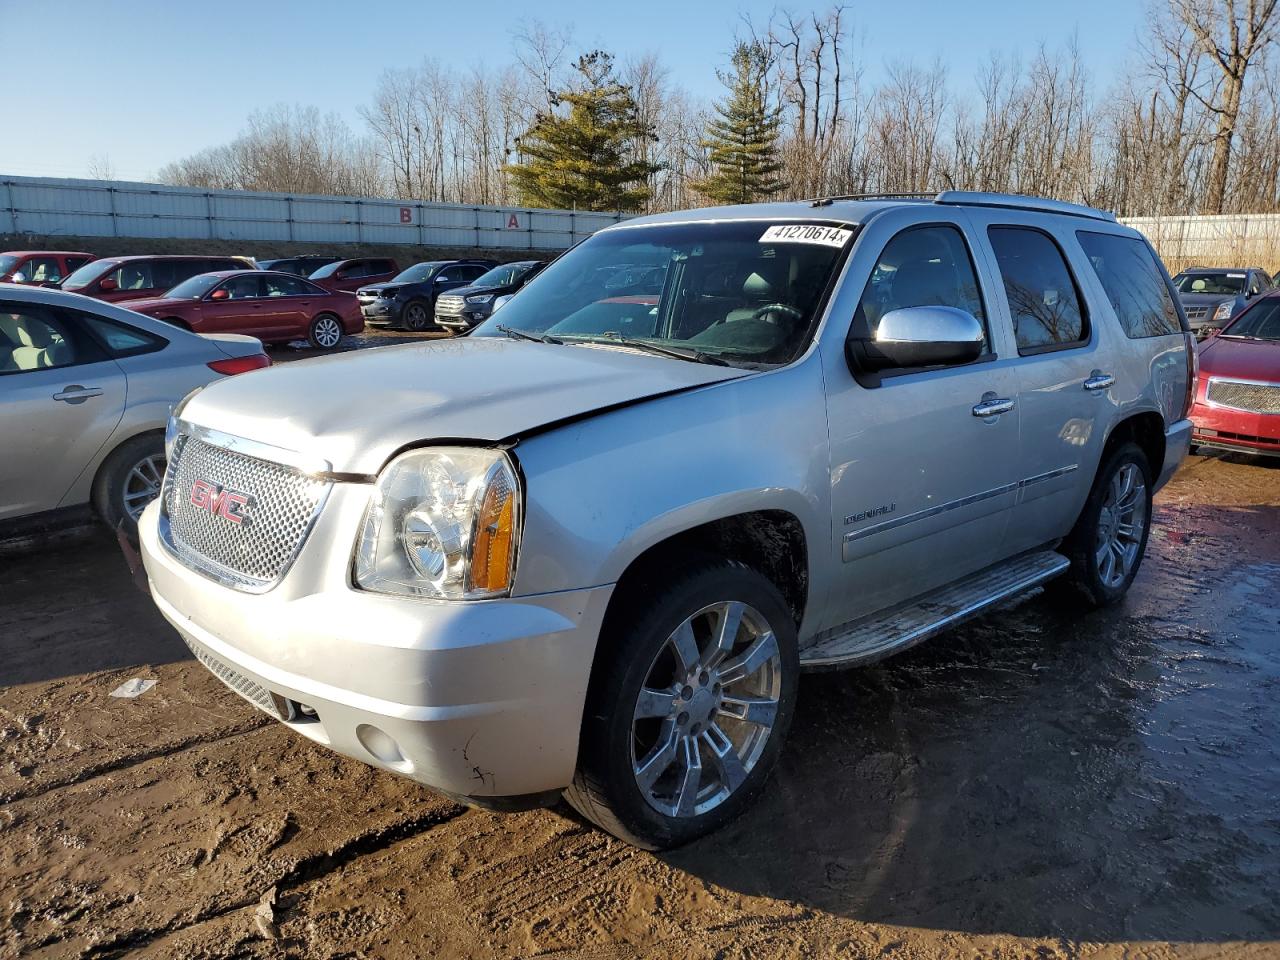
(515, 334)
(695, 356)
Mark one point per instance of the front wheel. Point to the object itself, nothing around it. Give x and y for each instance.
(325, 332)
(687, 715)
(417, 317)
(1110, 538)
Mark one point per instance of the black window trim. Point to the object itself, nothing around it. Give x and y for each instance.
(872, 379)
(1086, 314)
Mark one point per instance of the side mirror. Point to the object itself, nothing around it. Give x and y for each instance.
(924, 336)
(220, 294)
(440, 278)
(106, 285)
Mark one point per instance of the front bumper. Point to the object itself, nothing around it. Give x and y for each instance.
(479, 699)
(1242, 431)
(1177, 443)
(380, 312)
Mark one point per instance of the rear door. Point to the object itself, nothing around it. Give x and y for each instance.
(1065, 361)
(61, 397)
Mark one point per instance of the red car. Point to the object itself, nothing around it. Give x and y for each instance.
(1238, 392)
(269, 305)
(350, 274)
(135, 278)
(44, 268)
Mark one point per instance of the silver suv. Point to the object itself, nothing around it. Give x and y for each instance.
(589, 547)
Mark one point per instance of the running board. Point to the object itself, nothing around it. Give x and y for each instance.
(893, 630)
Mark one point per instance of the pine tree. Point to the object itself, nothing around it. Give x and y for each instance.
(742, 140)
(585, 158)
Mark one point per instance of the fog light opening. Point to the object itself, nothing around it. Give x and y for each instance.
(381, 745)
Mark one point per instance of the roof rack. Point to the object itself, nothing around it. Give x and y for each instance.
(973, 198)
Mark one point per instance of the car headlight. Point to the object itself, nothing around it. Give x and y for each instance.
(171, 428)
(499, 301)
(443, 522)
(480, 298)
(1224, 310)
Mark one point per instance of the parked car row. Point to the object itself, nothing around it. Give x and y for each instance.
(1212, 296)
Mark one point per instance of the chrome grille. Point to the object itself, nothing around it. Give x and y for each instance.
(252, 554)
(259, 696)
(1239, 395)
(450, 305)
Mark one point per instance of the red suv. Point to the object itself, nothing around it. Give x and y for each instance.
(269, 305)
(134, 278)
(1238, 394)
(350, 274)
(43, 268)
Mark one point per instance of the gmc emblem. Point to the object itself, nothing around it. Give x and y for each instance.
(221, 502)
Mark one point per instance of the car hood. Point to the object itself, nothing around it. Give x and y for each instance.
(152, 304)
(355, 410)
(1241, 359)
(1204, 299)
(476, 291)
(385, 285)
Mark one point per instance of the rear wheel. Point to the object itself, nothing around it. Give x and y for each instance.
(128, 480)
(417, 317)
(1110, 538)
(325, 332)
(686, 717)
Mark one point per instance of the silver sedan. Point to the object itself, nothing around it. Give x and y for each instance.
(86, 389)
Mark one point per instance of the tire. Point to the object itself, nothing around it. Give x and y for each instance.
(1100, 582)
(325, 332)
(416, 316)
(128, 480)
(633, 776)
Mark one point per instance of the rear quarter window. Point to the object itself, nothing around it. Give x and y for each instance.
(1134, 283)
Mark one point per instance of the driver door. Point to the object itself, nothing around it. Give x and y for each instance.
(922, 486)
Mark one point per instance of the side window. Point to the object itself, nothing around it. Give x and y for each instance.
(135, 275)
(450, 274)
(922, 266)
(36, 338)
(75, 263)
(243, 288)
(474, 272)
(1043, 300)
(120, 339)
(42, 270)
(381, 266)
(283, 286)
(167, 274)
(1255, 284)
(1134, 284)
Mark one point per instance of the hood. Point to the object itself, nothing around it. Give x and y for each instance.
(1204, 299)
(357, 409)
(152, 304)
(379, 287)
(1241, 359)
(476, 291)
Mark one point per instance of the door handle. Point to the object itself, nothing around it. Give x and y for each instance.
(75, 393)
(1099, 381)
(992, 407)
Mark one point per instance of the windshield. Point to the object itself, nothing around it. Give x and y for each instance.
(1260, 323)
(1224, 283)
(328, 270)
(502, 276)
(417, 273)
(195, 288)
(744, 292)
(7, 263)
(87, 274)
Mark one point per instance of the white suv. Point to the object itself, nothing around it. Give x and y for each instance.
(587, 549)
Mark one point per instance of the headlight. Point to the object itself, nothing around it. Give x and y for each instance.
(444, 522)
(1224, 310)
(171, 428)
(502, 299)
(480, 298)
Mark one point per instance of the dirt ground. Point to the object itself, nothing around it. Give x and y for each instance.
(1042, 783)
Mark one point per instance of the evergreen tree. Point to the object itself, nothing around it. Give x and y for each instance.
(586, 157)
(742, 139)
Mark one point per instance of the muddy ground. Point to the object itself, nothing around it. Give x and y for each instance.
(1042, 783)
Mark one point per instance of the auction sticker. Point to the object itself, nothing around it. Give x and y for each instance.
(806, 233)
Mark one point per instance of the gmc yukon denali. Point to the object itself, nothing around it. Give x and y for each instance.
(589, 547)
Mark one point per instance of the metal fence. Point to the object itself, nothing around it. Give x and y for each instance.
(50, 206)
(1247, 239)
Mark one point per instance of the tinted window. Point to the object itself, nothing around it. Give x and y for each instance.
(381, 266)
(75, 263)
(242, 288)
(166, 274)
(1260, 322)
(135, 275)
(922, 266)
(283, 286)
(36, 338)
(42, 270)
(121, 339)
(1134, 284)
(1042, 296)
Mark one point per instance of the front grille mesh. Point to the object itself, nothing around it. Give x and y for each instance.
(1255, 397)
(255, 694)
(257, 551)
(1197, 313)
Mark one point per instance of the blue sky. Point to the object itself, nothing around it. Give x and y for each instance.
(143, 82)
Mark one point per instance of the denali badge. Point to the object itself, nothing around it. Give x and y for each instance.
(871, 512)
(218, 500)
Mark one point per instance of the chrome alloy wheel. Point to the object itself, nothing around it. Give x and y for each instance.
(415, 317)
(328, 332)
(706, 709)
(142, 485)
(1122, 523)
